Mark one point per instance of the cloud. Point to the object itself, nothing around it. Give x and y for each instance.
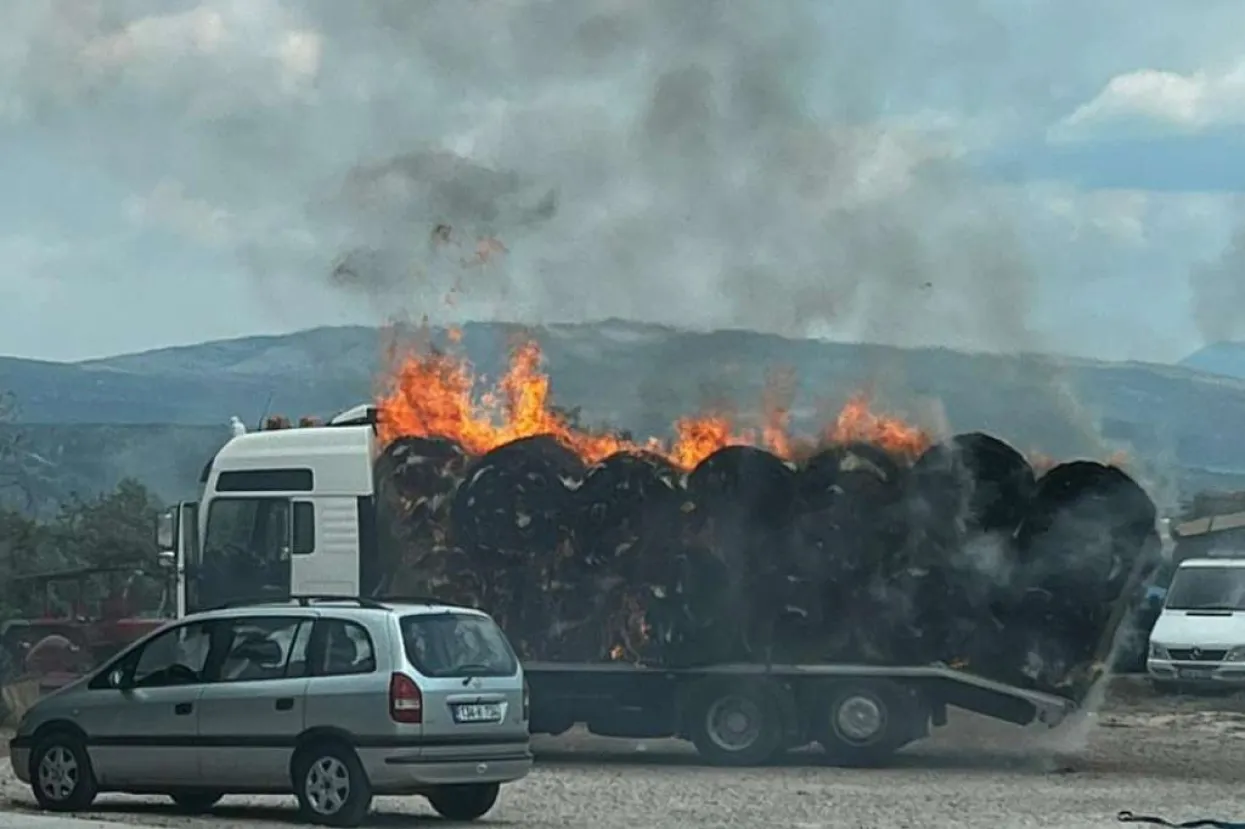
(1156, 102)
(788, 167)
(207, 59)
(168, 207)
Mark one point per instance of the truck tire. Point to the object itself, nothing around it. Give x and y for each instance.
(735, 722)
(864, 722)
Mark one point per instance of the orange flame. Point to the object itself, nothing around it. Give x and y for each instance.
(431, 393)
(858, 423)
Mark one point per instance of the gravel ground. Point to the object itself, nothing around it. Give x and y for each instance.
(1178, 758)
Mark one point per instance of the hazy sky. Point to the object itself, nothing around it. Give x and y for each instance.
(996, 174)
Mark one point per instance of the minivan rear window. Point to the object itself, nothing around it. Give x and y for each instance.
(457, 645)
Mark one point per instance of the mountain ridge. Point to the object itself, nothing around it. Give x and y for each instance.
(1177, 423)
(1225, 358)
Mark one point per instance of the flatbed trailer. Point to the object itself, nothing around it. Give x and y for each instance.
(748, 714)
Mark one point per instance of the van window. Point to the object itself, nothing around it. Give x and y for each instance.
(175, 657)
(1207, 588)
(457, 645)
(344, 648)
(259, 647)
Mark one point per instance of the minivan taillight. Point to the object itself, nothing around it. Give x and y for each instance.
(406, 701)
(527, 701)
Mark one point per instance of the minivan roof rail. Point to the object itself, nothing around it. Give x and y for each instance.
(303, 599)
(306, 599)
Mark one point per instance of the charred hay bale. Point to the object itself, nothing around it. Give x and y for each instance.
(626, 533)
(849, 537)
(742, 490)
(739, 505)
(967, 497)
(846, 499)
(692, 620)
(516, 499)
(1087, 528)
(628, 508)
(514, 517)
(979, 479)
(415, 481)
(450, 575)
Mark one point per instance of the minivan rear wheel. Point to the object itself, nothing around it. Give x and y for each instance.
(331, 786)
(464, 802)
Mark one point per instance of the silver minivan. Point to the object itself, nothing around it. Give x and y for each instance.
(333, 700)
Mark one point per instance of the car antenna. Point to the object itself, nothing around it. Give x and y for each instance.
(259, 427)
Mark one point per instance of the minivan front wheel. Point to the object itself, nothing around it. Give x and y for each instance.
(331, 786)
(464, 802)
(60, 774)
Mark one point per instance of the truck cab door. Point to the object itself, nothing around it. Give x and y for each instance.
(177, 545)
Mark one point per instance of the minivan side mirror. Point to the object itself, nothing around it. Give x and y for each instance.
(116, 679)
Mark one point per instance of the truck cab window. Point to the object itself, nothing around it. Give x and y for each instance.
(247, 542)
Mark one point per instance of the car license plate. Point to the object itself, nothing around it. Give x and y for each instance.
(1196, 673)
(477, 712)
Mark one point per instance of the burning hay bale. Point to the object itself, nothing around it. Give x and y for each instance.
(514, 516)
(416, 479)
(627, 533)
(739, 505)
(877, 548)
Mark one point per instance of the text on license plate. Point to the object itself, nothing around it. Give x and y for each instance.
(1196, 673)
(477, 712)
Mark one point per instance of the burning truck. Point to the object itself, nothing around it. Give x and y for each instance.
(747, 591)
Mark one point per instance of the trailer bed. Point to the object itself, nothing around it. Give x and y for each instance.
(805, 702)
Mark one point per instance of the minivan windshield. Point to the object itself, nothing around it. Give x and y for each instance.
(1207, 588)
(457, 645)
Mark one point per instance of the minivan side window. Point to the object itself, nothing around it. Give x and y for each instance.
(175, 657)
(259, 647)
(341, 647)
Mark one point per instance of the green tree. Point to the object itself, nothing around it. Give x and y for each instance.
(24, 548)
(14, 483)
(117, 527)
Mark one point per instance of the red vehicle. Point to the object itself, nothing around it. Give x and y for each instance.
(75, 619)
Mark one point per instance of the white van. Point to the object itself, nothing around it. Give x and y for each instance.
(1199, 637)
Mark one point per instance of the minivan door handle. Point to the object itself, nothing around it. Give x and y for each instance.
(284, 704)
(183, 708)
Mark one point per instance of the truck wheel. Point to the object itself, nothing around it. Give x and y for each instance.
(865, 723)
(736, 723)
(195, 802)
(464, 802)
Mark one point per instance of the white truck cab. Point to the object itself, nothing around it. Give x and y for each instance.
(282, 511)
(1199, 637)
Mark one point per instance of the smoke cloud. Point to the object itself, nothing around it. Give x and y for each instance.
(675, 172)
(1218, 288)
(699, 163)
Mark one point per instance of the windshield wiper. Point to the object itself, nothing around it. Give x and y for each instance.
(469, 668)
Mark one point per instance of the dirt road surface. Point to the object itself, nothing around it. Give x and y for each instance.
(1183, 759)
